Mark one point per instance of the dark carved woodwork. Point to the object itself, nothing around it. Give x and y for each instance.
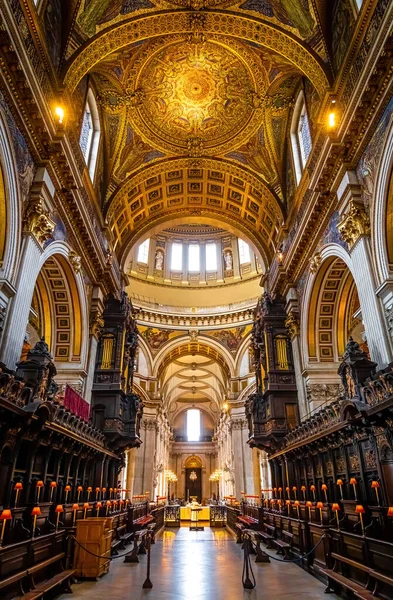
(273, 410)
(116, 410)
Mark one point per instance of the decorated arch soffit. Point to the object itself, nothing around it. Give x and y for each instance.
(211, 189)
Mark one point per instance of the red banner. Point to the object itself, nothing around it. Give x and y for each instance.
(76, 404)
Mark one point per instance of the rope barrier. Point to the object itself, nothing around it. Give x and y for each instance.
(300, 557)
(97, 555)
(248, 584)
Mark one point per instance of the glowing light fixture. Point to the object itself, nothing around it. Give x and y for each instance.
(60, 113)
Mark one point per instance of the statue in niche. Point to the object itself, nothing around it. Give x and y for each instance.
(228, 260)
(159, 261)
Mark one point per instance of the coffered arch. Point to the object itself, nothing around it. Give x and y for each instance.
(214, 191)
(166, 23)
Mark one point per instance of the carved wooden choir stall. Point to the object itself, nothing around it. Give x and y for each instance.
(59, 467)
(332, 475)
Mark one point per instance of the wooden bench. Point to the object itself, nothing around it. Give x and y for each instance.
(374, 578)
(139, 546)
(123, 535)
(255, 537)
(248, 521)
(239, 532)
(61, 579)
(15, 587)
(268, 535)
(142, 521)
(284, 544)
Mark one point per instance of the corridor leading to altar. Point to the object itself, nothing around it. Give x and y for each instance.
(204, 565)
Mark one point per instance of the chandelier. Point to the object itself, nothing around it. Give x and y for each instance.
(193, 476)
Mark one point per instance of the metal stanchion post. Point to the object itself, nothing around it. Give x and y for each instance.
(148, 583)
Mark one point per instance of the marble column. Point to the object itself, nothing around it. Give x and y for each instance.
(354, 229)
(20, 306)
(236, 260)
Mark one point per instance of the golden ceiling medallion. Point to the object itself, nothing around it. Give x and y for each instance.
(197, 99)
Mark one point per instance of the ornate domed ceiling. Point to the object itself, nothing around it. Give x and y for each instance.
(195, 99)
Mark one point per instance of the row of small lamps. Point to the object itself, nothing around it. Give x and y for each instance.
(99, 492)
(375, 485)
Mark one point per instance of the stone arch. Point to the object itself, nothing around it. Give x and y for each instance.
(330, 296)
(167, 23)
(10, 205)
(382, 211)
(193, 461)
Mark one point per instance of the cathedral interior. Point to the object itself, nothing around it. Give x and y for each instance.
(196, 299)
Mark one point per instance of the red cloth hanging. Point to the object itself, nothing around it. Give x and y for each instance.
(76, 404)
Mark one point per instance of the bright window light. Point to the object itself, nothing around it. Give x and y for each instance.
(211, 257)
(193, 425)
(244, 252)
(176, 258)
(143, 252)
(193, 257)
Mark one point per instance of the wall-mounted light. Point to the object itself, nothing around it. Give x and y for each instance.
(225, 406)
(332, 115)
(60, 113)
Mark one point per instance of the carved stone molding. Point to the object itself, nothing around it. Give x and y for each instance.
(389, 319)
(292, 323)
(323, 392)
(96, 323)
(238, 423)
(75, 261)
(37, 221)
(354, 224)
(315, 262)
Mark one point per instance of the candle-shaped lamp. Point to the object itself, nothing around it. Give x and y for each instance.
(297, 504)
(85, 507)
(336, 508)
(110, 493)
(39, 485)
(59, 509)
(375, 486)
(354, 483)
(74, 510)
(288, 492)
(360, 510)
(79, 489)
(313, 488)
(36, 512)
(309, 505)
(89, 491)
(98, 493)
(103, 493)
(107, 504)
(320, 506)
(17, 487)
(303, 488)
(324, 489)
(288, 503)
(5, 516)
(274, 492)
(52, 486)
(340, 483)
(294, 489)
(280, 491)
(98, 506)
(67, 490)
(390, 512)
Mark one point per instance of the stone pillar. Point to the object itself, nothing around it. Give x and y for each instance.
(130, 475)
(151, 261)
(220, 262)
(184, 262)
(202, 263)
(355, 231)
(95, 325)
(293, 326)
(236, 261)
(144, 461)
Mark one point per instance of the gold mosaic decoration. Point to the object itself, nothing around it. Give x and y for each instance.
(195, 98)
(174, 23)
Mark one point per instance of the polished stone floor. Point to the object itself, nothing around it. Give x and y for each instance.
(200, 566)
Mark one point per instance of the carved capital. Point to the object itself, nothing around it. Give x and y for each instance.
(354, 224)
(75, 261)
(292, 324)
(315, 262)
(37, 221)
(96, 323)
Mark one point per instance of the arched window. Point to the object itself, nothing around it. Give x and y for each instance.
(193, 425)
(300, 136)
(143, 252)
(244, 252)
(90, 134)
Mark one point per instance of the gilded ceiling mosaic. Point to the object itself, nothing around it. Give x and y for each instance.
(196, 99)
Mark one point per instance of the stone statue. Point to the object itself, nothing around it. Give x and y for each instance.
(159, 261)
(228, 260)
(41, 347)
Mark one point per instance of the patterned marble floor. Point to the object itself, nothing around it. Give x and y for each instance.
(200, 566)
